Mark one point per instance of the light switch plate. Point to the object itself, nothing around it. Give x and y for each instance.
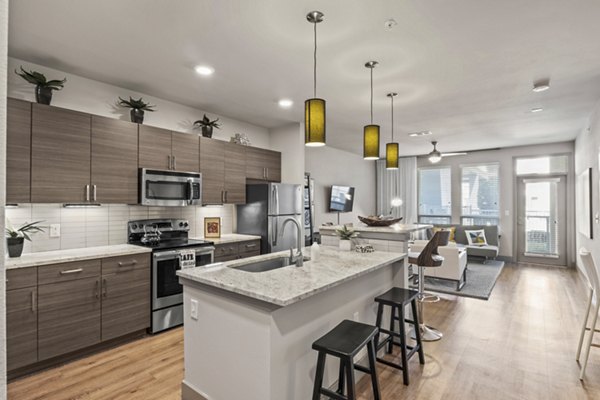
(194, 309)
(54, 230)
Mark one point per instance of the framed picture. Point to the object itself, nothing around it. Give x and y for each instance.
(212, 227)
(584, 203)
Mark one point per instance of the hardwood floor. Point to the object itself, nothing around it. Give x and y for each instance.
(518, 345)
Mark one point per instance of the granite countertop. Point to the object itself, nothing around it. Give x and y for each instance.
(396, 228)
(290, 284)
(61, 256)
(230, 238)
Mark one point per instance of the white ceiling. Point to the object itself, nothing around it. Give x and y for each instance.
(463, 69)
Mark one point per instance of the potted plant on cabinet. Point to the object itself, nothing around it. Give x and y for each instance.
(207, 126)
(16, 237)
(43, 87)
(346, 235)
(137, 108)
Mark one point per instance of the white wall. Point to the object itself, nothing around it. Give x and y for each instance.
(289, 140)
(329, 166)
(505, 157)
(3, 55)
(586, 156)
(99, 98)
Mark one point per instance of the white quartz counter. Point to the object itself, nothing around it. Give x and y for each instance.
(230, 238)
(61, 256)
(290, 284)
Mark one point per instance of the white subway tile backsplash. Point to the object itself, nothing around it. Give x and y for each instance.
(106, 225)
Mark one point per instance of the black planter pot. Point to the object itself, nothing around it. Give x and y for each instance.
(43, 95)
(137, 116)
(207, 131)
(15, 246)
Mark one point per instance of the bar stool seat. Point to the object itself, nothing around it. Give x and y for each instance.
(398, 299)
(344, 342)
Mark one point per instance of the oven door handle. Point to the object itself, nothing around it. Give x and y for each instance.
(165, 255)
(206, 250)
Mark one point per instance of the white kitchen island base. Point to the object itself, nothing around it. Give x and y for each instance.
(243, 348)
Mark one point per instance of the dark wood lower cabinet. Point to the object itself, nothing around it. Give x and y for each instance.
(125, 302)
(21, 327)
(68, 316)
(236, 250)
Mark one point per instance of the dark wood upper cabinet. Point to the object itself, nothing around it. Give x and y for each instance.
(263, 165)
(18, 151)
(60, 155)
(154, 147)
(114, 161)
(184, 149)
(212, 167)
(235, 174)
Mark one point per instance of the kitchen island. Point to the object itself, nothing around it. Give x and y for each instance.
(248, 335)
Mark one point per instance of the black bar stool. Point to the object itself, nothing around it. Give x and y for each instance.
(344, 342)
(398, 299)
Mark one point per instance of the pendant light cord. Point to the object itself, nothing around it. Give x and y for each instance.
(392, 97)
(371, 95)
(315, 64)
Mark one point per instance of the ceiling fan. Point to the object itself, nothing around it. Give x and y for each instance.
(435, 156)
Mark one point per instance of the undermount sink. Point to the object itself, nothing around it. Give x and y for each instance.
(266, 265)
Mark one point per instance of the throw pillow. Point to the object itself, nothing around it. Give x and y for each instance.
(476, 238)
(452, 230)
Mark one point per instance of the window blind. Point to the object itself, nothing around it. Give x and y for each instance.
(557, 164)
(480, 193)
(435, 191)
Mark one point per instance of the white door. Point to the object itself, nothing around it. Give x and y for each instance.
(541, 220)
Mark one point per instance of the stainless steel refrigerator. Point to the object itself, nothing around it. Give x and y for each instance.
(267, 206)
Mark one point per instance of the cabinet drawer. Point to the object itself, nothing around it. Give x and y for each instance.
(119, 264)
(68, 271)
(227, 249)
(226, 258)
(249, 247)
(21, 278)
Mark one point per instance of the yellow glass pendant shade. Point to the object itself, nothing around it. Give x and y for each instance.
(391, 155)
(314, 122)
(371, 142)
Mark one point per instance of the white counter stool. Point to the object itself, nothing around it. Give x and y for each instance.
(593, 304)
(428, 258)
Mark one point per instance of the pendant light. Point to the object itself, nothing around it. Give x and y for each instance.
(314, 109)
(371, 132)
(391, 149)
(435, 156)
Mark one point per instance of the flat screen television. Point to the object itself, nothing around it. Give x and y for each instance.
(342, 198)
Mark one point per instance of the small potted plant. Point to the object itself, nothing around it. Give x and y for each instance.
(207, 126)
(137, 108)
(16, 237)
(346, 235)
(43, 87)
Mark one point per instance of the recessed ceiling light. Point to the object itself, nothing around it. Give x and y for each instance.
(537, 110)
(421, 133)
(204, 70)
(285, 103)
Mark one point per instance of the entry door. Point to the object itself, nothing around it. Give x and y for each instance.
(541, 224)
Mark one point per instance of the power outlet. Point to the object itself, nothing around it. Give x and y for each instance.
(194, 309)
(54, 230)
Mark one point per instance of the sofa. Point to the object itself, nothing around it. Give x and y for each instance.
(490, 250)
(453, 268)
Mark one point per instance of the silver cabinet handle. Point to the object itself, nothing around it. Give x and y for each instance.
(222, 196)
(94, 192)
(129, 264)
(87, 192)
(104, 288)
(226, 196)
(97, 289)
(169, 162)
(174, 162)
(249, 246)
(264, 173)
(33, 301)
(267, 169)
(71, 271)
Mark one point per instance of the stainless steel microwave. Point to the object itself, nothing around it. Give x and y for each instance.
(169, 188)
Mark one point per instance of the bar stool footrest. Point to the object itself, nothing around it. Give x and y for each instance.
(332, 394)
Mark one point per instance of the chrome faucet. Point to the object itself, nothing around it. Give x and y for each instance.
(298, 259)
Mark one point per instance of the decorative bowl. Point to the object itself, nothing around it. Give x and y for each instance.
(378, 221)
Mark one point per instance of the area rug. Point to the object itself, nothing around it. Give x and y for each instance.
(481, 278)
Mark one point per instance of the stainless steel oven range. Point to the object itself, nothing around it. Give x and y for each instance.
(171, 251)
